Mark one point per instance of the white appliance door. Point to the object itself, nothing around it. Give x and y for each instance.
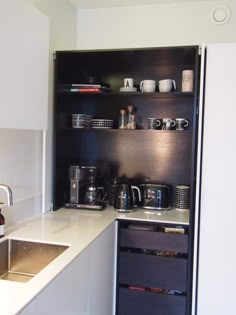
(217, 256)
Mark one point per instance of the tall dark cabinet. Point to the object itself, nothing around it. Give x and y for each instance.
(142, 155)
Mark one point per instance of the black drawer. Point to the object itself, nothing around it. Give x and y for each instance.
(134, 302)
(152, 271)
(153, 240)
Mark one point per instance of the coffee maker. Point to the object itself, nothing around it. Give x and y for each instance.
(86, 191)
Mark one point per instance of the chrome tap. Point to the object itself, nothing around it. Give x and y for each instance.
(9, 194)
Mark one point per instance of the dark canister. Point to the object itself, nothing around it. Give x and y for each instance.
(156, 196)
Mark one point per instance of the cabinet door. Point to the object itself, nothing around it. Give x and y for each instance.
(216, 275)
(24, 64)
(102, 273)
(153, 271)
(30, 309)
(68, 293)
(135, 302)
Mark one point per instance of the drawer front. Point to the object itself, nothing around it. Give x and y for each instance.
(134, 302)
(152, 271)
(153, 240)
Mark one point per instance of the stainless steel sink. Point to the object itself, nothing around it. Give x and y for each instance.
(21, 260)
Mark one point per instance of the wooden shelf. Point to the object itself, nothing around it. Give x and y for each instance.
(121, 94)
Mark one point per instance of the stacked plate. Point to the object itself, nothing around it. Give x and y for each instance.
(81, 120)
(102, 123)
(128, 89)
(182, 197)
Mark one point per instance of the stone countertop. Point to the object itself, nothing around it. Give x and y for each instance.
(76, 228)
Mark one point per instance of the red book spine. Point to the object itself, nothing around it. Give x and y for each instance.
(86, 90)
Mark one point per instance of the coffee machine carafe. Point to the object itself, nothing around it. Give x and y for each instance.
(92, 193)
(84, 190)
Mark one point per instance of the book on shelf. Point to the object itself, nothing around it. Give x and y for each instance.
(84, 88)
(85, 85)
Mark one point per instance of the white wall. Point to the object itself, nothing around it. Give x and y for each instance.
(63, 21)
(21, 150)
(154, 25)
(20, 168)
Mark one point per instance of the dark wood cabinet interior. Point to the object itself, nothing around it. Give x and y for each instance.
(141, 155)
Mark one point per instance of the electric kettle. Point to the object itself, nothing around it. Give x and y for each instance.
(124, 198)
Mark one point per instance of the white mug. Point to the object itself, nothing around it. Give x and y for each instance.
(166, 85)
(128, 83)
(187, 80)
(168, 123)
(181, 123)
(148, 86)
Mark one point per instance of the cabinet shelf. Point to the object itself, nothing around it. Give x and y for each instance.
(121, 94)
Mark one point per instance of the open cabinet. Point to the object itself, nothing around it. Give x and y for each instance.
(142, 155)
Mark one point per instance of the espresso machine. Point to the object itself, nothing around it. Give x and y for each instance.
(86, 191)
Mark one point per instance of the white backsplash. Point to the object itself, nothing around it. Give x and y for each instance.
(21, 169)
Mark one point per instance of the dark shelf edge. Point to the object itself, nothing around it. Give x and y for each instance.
(156, 94)
(123, 130)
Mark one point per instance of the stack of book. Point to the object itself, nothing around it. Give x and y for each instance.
(85, 88)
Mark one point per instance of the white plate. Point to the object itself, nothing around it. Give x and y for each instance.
(126, 89)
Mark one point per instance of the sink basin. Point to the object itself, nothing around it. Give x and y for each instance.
(21, 260)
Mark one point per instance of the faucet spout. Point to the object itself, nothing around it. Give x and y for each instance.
(9, 194)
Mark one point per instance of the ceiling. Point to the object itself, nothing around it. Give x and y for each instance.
(92, 4)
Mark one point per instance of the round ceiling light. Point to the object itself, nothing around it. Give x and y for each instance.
(221, 14)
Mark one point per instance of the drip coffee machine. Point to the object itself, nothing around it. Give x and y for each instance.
(86, 191)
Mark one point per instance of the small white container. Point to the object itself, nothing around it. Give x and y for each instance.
(187, 80)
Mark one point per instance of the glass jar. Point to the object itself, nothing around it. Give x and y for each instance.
(131, 120)
(122, 119)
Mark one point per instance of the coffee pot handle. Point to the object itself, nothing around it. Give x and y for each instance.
(174, 84)
(102, 194)
(141, 89)
(138, 190)
(186, 123)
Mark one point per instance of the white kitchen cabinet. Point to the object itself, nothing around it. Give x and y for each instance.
(216, 257)
(30, 309)
(86, 286)
(68, 293)
(102, 266)
(24, 64)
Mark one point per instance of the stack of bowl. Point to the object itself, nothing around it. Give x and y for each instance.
(81, 120)
(101, 123)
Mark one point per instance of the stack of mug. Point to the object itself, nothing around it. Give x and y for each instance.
(182, 197)
(149, 86)
(167, 124)
(165, 85)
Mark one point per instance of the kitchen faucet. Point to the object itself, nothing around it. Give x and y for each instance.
(9, 194)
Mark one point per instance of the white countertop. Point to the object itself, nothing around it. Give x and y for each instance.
(76, 228)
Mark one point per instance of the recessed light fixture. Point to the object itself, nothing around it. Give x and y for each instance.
(220, 14)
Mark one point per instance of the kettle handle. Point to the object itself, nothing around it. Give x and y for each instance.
(138, 190)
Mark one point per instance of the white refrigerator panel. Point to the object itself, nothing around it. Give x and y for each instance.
(217, 256)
